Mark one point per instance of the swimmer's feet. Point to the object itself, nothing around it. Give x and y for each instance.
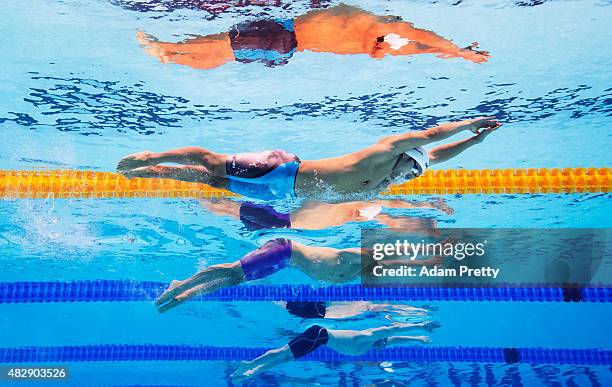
(152, 46)
(177, 293)
(133, 161)
(246, 370)
(470, 53)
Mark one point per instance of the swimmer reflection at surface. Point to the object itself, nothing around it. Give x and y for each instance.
(212, 6)
(349, 310)
(341, 30)
(315, 215)
(347, 342)
(320, 263)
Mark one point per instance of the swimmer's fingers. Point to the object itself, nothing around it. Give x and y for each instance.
(441, 205)
(485, 132)
(483, 123)
(173, 290)
(499, 125)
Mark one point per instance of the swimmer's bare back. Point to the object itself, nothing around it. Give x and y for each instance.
(375, 167)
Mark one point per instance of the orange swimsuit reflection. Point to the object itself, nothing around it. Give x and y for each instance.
(340, 30)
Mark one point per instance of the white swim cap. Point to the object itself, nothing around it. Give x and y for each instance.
(420, 156)
(396, 41)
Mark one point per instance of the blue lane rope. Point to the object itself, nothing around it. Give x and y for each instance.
(156, 352)
(123, 291)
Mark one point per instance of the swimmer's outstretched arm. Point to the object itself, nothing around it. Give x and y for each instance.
(404, 142)
(355, 308)
(431, 43)
(398, 329)
(448, 151)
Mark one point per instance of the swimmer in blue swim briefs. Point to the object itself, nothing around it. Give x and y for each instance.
(321, 263)
(276, 174)
(348, 342)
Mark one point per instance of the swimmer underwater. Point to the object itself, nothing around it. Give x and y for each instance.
(277, 174)
(320, 263)
(348, 342)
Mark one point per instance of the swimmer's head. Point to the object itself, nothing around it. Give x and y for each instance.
(411, 164)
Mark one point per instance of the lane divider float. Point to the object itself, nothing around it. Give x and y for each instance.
(24, 184)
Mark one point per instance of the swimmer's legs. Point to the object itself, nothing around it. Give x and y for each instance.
(212, 161)
(206, 281)
(204, 52)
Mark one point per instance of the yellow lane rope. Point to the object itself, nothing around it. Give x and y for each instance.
(90, 184)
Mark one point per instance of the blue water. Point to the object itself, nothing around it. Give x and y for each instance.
(78, 92)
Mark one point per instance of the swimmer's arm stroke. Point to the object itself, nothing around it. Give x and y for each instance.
(404, 142)
(425, 38)
(446, 152)
(266, 361)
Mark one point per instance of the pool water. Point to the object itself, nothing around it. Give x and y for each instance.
(78, 92)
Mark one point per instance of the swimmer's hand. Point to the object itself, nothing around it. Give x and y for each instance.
(440, 205)
(470, 53)
(477, 125)
(133, 161)
(482, 135)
